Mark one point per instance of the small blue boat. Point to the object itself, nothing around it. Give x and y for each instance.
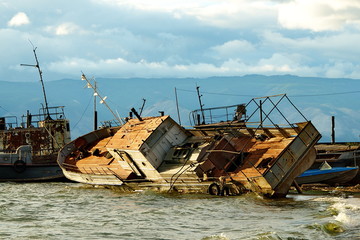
(331, 176)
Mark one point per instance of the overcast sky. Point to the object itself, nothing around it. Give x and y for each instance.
(180, 38)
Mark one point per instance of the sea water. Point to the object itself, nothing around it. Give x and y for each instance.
(77, 211)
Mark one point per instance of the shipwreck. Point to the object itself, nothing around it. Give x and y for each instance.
(228, 151)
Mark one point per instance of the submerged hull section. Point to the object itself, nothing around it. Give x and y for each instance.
(30, 173)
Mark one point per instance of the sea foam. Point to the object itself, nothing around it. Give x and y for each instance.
(348, 211)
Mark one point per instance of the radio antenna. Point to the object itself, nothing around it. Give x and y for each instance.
(41, 79)
(142, 107)
(96, 93)
(201, 105)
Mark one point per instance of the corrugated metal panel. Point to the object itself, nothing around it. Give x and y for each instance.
(292, 156)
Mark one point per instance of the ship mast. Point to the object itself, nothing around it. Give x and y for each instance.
(102, 99)
(41, 80)
(143, 105)
(95, 111)
(201, 105)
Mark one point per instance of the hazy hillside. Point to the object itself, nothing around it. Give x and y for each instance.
(318, 99)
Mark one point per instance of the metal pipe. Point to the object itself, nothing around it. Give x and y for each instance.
(332, 129)
(136, 114)
(201, 105)
(177, 106)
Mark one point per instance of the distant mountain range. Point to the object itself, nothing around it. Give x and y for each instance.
(317, 98)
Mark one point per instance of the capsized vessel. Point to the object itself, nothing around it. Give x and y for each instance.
(229, 150)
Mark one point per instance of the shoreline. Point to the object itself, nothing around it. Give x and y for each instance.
(323, 189)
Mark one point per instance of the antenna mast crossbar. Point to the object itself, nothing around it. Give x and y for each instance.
(83, 77)
(41, 79)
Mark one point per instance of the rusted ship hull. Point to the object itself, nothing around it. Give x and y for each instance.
(28, 148)
(273, 164)
(228, 158)
(28, 152)
(30, 173)
(193, 176)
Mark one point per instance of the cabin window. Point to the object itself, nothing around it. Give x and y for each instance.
(265, 163)
(181, 153)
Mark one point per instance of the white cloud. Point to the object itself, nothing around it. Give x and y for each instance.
(232, 49)
(64, 29)
(319, 15)
(160, 5)
(276, 64)
(187, 38)
(233, 14)
(18, 20)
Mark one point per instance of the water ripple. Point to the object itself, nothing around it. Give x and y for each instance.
(71, 210)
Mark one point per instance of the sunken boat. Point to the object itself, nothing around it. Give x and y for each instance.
(29, 147)
(228, 151)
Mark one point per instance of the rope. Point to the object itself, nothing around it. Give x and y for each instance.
(171, 179)
(304, 95)
(90, 100)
